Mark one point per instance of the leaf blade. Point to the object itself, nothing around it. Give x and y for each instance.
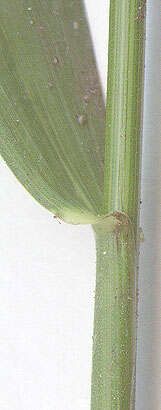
(48, 71)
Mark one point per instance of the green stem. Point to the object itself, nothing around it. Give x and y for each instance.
(114, 338)
(124, 107)
(115, 318)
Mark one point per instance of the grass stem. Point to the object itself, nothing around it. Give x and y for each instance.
(115, 317)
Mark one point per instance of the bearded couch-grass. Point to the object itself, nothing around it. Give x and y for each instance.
(80, 160)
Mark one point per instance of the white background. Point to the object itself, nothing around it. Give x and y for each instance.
(47, 274)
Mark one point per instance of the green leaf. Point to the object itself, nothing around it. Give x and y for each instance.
(52, 114)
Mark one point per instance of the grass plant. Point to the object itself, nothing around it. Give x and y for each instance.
(79, 159)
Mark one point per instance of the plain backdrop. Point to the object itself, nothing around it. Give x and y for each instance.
(47, 273)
